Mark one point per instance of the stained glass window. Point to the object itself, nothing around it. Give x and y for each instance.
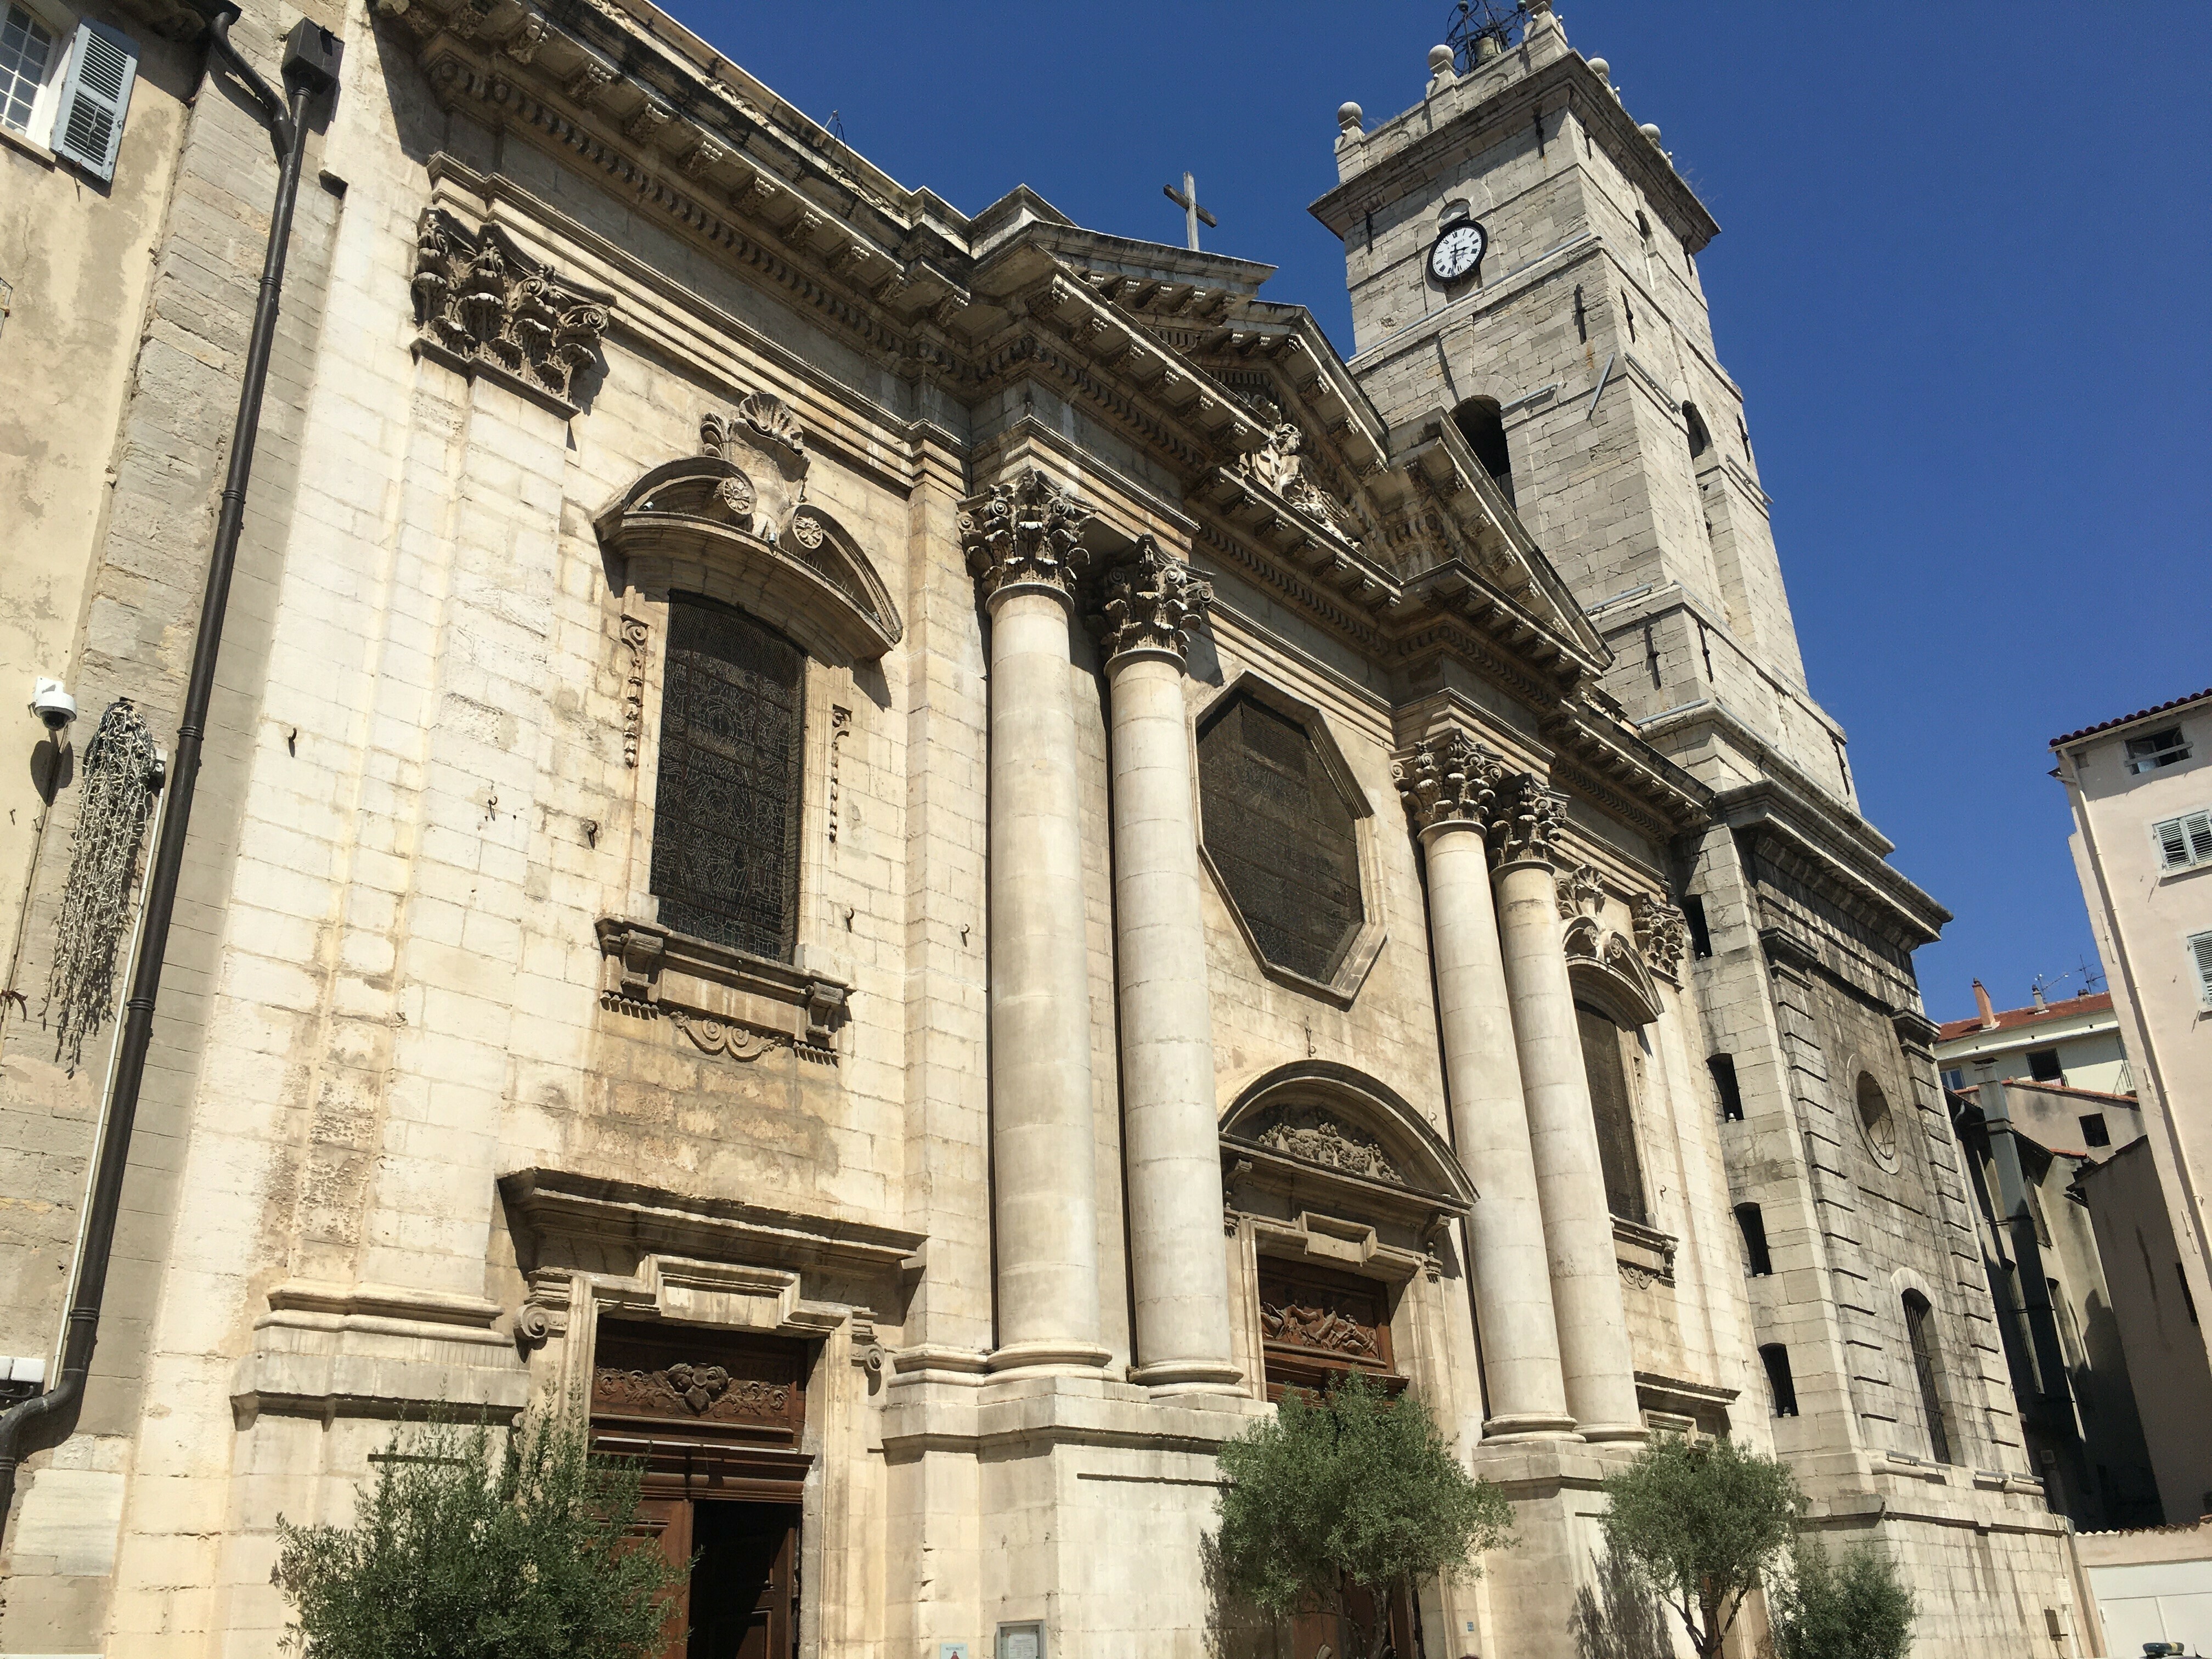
(726, 817)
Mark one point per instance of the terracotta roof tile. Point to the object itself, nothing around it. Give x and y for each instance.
(2013, 1020)
(2140, 715)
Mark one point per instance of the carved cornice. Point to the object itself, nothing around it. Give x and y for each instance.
(1026, 531)
(1450, 779)
(1152, 601)
(485, 307)
(721, 998)
(1527, 822)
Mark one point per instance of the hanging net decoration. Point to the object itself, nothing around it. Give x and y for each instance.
(120, 776)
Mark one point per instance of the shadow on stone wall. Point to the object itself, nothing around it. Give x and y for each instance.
(1620, 1619)
(1235, 1629)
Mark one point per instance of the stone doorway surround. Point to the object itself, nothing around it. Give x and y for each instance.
(591, 1249)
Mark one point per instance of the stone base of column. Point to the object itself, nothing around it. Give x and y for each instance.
(1529, 1425)
(1173, 1376)
(1597, 1431)
(1048, 1359)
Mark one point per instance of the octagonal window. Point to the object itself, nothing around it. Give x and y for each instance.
(1283, 835)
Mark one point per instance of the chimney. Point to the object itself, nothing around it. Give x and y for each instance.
(1982, 1003)
(2036, 991)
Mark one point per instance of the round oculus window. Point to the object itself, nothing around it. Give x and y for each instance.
(1877, 1120)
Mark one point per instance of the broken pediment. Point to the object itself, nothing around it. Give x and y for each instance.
(733, 523)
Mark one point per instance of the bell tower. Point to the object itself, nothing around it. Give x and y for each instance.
(1523, 261)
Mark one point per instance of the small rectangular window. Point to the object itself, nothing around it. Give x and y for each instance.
(2094, 1131)
(2184, 842)
(1701, 936)
(1759, 1260)
(27, 54)
(2200, 951)
(1723, 1068)
(2160, 749)
(1955, 1077)
(2043, 1065)
(1776, 1359)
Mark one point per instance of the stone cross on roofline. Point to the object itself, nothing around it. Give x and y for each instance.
(1187, 199)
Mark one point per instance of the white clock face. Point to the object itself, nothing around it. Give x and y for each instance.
(1457, 252)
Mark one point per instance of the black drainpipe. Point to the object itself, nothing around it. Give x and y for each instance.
(311, 66)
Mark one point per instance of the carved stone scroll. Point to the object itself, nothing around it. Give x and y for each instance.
(1278, 465)
(1307, 1134)
(841, 724)
(634, 634)
(1152, 602)
(483, 306)
(1661, 933)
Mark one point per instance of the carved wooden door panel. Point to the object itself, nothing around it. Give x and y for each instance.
(664, 1524)
(1317, 1325)
(744, 1600)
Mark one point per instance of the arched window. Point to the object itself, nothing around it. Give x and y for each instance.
(1920, 1333)
(725, 812)
(1484, 427)
(1700, 440)
(1610, 1103)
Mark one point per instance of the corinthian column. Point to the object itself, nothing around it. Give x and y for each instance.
(1021, 542)
(1593, 1324)
(1171, 1141)
(1450, 783)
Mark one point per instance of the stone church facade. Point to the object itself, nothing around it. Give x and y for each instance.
(908, 860)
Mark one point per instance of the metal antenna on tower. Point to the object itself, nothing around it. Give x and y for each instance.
(1481, 29)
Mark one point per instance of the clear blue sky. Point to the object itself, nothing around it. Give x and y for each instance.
(1959, 279)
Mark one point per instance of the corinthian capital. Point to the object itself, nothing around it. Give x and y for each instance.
(1152, 602)
(1450, 779)
(1024, 532)
(1525, 822)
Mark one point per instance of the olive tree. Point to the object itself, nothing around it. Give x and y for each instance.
(1351, 1488)
(1702, 1523)
(476, 1543)
(1855, 1607)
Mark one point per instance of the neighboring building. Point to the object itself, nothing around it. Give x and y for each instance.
(2028, 1153)
(2161, 1324)
(688, 925)
(94, 100)
(2141, 790)
(2075, 1041)
(2154, 1585)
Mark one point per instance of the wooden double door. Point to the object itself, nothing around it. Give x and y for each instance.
(714, 1422)
(740, 1600)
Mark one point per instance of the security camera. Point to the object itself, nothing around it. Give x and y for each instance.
(54, 706)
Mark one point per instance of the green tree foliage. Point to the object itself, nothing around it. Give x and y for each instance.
(1855, 1607)
(476, 1544)
(1353, 1487)
(1701, 1523)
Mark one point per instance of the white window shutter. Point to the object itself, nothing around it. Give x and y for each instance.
(2173, 843)
(89, 125)
(2200, 837)
(2202, 945)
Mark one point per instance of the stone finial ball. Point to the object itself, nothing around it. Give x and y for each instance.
(1600, 69)
(1349, 116)
(1440, 59)
(1649, 129)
